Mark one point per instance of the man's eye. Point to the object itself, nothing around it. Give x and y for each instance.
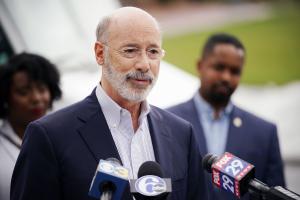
(219, 67)
(153, 51)
(130, 50)
(235, 71)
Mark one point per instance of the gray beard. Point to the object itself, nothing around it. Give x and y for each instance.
(119, 82)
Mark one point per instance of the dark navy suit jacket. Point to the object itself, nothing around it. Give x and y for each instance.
(255, 141)
(61, 151)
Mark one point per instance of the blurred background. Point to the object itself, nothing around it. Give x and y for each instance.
(64, 32)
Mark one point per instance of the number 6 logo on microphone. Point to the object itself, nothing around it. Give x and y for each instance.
(150, 185)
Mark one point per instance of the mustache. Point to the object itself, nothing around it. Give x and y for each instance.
(140, 75)
(223, 84)
(226, 85)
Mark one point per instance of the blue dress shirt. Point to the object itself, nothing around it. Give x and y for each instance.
(215, 128)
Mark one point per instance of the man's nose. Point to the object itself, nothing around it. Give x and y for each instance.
(143, 62)
(226, 75)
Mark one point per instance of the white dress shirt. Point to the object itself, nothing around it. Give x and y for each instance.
(134, 148)
(8, 155)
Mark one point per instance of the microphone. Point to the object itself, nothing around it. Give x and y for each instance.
(237, 176)
(150, 185)
(109, 181)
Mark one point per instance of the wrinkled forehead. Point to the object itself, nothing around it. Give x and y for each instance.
(134, 28)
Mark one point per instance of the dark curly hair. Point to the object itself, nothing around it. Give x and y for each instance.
(37, 68)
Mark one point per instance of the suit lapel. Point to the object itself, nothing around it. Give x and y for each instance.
(235, 135)
(161, 140)
(192, 116)
(95, 131)
(96, 135)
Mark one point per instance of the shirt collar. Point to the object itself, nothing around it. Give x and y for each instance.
(7, 129)
(203, 107)
(145, 109)
(112, 111)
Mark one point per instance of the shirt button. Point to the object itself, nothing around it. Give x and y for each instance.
(114, 125)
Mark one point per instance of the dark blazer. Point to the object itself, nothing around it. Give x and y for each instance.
(255, 141)
(61, 151)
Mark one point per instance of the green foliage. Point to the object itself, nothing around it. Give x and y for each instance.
(272, 45)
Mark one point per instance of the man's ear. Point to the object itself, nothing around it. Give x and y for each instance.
(199, 66)
(99, 52)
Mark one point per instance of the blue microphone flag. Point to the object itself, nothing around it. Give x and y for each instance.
(109, 172)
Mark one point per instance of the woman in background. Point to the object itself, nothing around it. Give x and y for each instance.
(28, 86)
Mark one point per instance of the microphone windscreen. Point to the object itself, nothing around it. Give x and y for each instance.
(150, 168)
(207, 161)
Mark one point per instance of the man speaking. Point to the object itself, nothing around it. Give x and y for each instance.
(60, 152)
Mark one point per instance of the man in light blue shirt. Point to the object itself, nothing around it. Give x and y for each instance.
(220, 125)
(215, 126)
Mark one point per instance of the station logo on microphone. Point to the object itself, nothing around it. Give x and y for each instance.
(112, 169)
(229, 173)
(150, 185)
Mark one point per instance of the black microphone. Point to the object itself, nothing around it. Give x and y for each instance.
(237, 176)
(109, 181)
(150, 185)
